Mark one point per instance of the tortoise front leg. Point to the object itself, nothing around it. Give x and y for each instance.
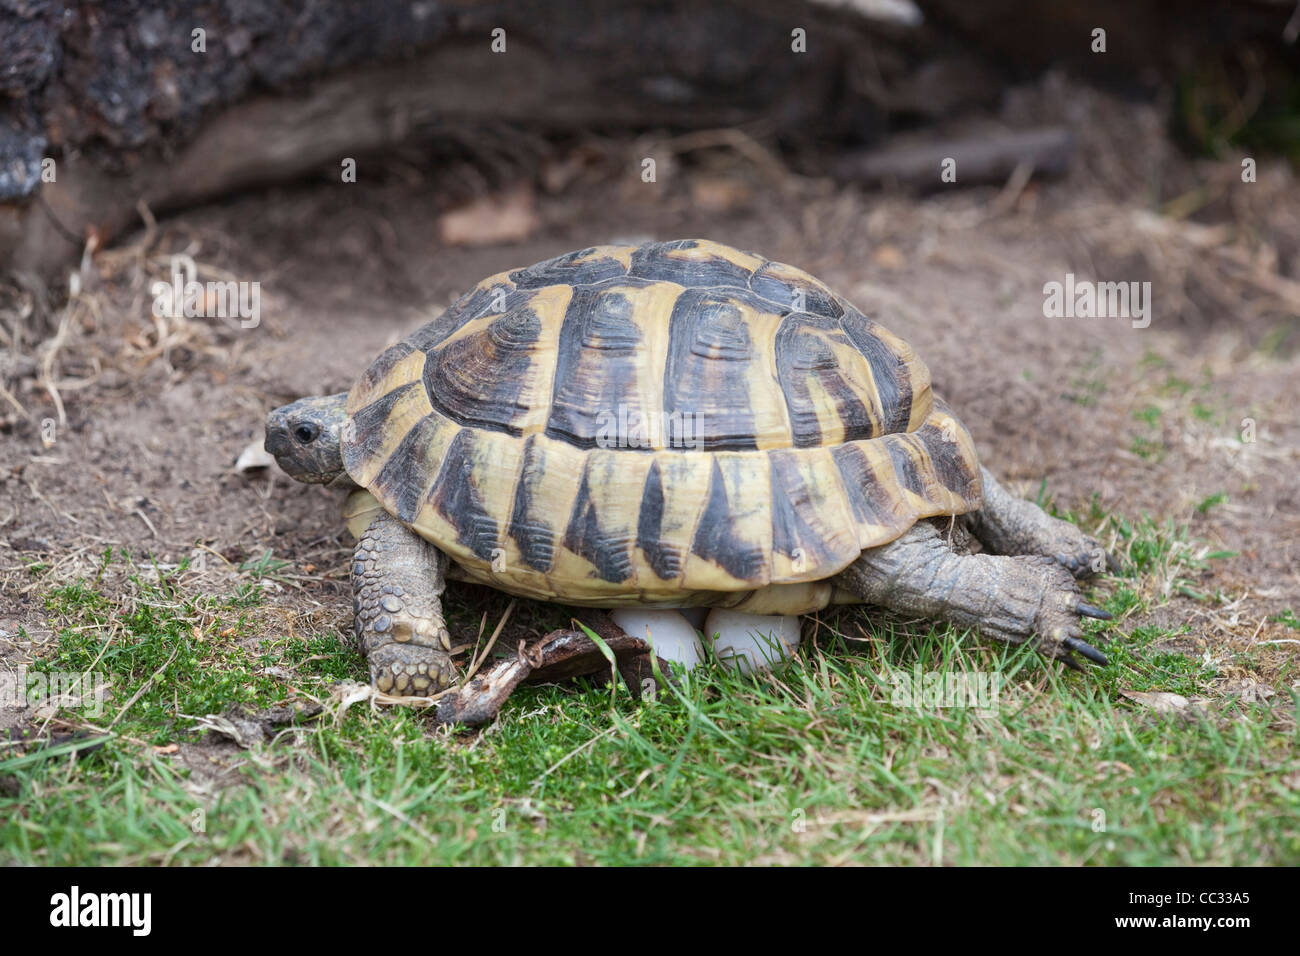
(1006, 524)
(1012, 599)
(397, 582)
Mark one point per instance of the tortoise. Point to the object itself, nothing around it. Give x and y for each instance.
(675, 424)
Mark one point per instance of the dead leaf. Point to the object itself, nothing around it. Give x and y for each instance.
(246, 733)
(719, 194)
(888, 257)
(250, 730)
(1163, 702)
(254, 456)
(505, 217)
(346, 693)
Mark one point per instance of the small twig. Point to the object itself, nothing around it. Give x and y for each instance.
(204, 547)
(145, 518)
(482, 626)
(143, 687)
(736, 139)
(1014, 187)
(31, 486)
(8, 397)
(51, 349)
(491, 641)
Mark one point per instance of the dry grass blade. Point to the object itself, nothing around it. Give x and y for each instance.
(469, 674)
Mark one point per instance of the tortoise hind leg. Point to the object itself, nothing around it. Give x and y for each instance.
(397, 582)
(1009, 598)
(1010, 525)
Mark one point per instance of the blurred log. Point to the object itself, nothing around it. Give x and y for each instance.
(276, 138)
(985, 157)
(117, 93)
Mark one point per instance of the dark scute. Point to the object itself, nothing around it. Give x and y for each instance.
(567, 270)
(611, 555)
(384, 364)
(666, 561)
(710, 358)
(608, 325)
(400, 483)
(802, 355)
(861, 484)
(781, 293)
(715, 538)
(651, 262)
(950, 467)
(464, 310)
(456, 498)
(596, 369)
(474, 381)
(367, 424)
(721, 332)
(791, 531)
(893, 380)
(909, 476)
(531, 532)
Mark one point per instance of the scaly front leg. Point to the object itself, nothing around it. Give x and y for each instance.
(397, 582)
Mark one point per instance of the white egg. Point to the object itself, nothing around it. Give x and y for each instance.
(671, 635)
(752, 642)
(696, 615)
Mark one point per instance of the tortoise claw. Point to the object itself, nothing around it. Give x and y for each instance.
(1069, 562)
(1087, 650)
(1087, 610)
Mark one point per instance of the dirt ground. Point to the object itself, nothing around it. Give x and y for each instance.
(149, 415)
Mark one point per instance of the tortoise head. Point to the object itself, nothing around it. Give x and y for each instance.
(304, 437)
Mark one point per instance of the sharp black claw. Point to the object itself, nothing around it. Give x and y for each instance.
(1087, 610)
(1112, 564)
(1087, 650)
(1070, 662)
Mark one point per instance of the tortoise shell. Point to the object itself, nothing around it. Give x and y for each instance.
(673, 423)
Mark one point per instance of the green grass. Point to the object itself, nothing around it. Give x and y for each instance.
(1149, 414)
(1213, 501)
(821, 765)
(1148, 450)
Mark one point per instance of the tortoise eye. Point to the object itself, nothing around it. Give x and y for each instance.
(306, 433)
